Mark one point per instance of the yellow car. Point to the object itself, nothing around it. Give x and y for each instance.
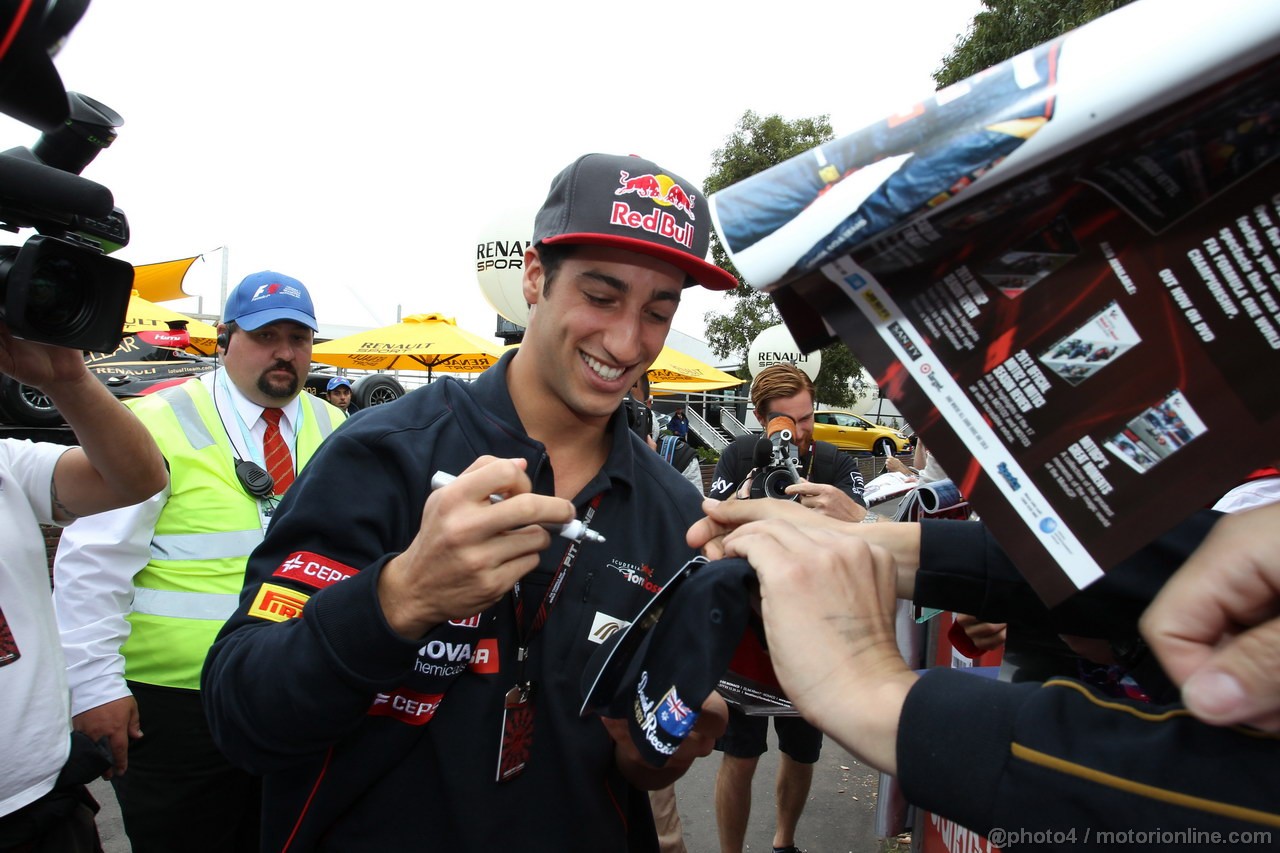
(848, 431)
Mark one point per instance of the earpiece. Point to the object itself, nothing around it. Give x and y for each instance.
(223, 341)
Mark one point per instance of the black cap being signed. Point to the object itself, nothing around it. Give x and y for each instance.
(660, 669)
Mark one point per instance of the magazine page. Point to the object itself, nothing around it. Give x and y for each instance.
(1090, 349)
(984, 131)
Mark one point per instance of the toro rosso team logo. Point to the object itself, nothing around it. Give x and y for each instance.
(641, 575)
(666, 193)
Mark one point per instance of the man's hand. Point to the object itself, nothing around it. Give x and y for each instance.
(900, 539)
(118, 721)
(1214, 626)
(39, 365)
(469, 551)
(707, 534)
(983, 636)
(713, 718)
(117, 462)
(896, 466)
(828, 602)
(828, 500)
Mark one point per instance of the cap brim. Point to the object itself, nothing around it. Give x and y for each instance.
(257, 320)
(708, 275)
(600, 688)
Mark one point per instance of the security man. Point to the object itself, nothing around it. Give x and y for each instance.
(143, 590)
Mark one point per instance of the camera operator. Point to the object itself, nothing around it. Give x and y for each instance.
(828, 480)
(43, 807)
(825, 479)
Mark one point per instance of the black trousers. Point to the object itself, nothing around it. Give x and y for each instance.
(180, 793)
(61, 821)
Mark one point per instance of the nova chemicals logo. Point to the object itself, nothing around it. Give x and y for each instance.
(1048, 525)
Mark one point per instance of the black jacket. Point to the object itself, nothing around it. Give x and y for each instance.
(1051, 762)
(368, 741)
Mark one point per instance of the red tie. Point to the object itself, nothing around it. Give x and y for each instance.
(276, 452)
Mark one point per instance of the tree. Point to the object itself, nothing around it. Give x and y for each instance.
(756, 144)
(1008, 27)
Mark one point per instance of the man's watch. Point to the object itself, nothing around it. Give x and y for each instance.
(869, 518)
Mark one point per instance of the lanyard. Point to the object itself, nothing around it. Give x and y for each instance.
(525, 637)
(516, 736)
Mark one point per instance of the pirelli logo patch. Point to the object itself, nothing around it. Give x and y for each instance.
(278, 603)
(314, 570)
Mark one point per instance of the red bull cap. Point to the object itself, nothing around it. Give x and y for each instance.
(631, 203)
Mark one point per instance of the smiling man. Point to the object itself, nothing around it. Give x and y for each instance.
(433, 693)
(142, 591)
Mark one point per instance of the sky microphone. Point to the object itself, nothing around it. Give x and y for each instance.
(763, 453)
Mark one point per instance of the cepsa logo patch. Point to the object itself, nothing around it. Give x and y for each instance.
(277, 603)
(406, 706)
(314, 570)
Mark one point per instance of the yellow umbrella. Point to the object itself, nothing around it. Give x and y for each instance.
(146, 316)
(418, 342)
(675, 371)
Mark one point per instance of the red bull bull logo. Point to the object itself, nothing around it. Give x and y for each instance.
(680, 200)
(645, 186)
(661, 188)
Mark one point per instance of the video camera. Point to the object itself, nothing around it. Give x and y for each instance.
(59, 287)
(776, 459)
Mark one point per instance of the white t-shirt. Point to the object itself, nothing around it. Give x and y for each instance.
(35, 709)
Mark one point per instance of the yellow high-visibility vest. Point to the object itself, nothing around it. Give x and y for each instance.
(204, 535)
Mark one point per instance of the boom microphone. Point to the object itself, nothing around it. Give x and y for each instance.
(28, 184)
(763, 452)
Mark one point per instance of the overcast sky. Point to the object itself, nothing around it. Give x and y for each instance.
(363, 148)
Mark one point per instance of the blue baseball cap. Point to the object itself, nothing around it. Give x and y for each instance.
(267, 297)
(337, 382)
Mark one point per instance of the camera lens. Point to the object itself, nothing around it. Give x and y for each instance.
(57, 292)
(775, 484)
(59, 296)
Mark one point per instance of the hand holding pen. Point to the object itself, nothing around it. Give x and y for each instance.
(576, 530)
(469, 550)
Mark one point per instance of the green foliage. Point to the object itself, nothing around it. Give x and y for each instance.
(1008, 27)
(707, 456)
(756, 144)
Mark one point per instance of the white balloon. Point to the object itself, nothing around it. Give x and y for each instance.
(775, 344)
(500, 263)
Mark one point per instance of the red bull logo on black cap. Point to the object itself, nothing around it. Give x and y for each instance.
(661, 188)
